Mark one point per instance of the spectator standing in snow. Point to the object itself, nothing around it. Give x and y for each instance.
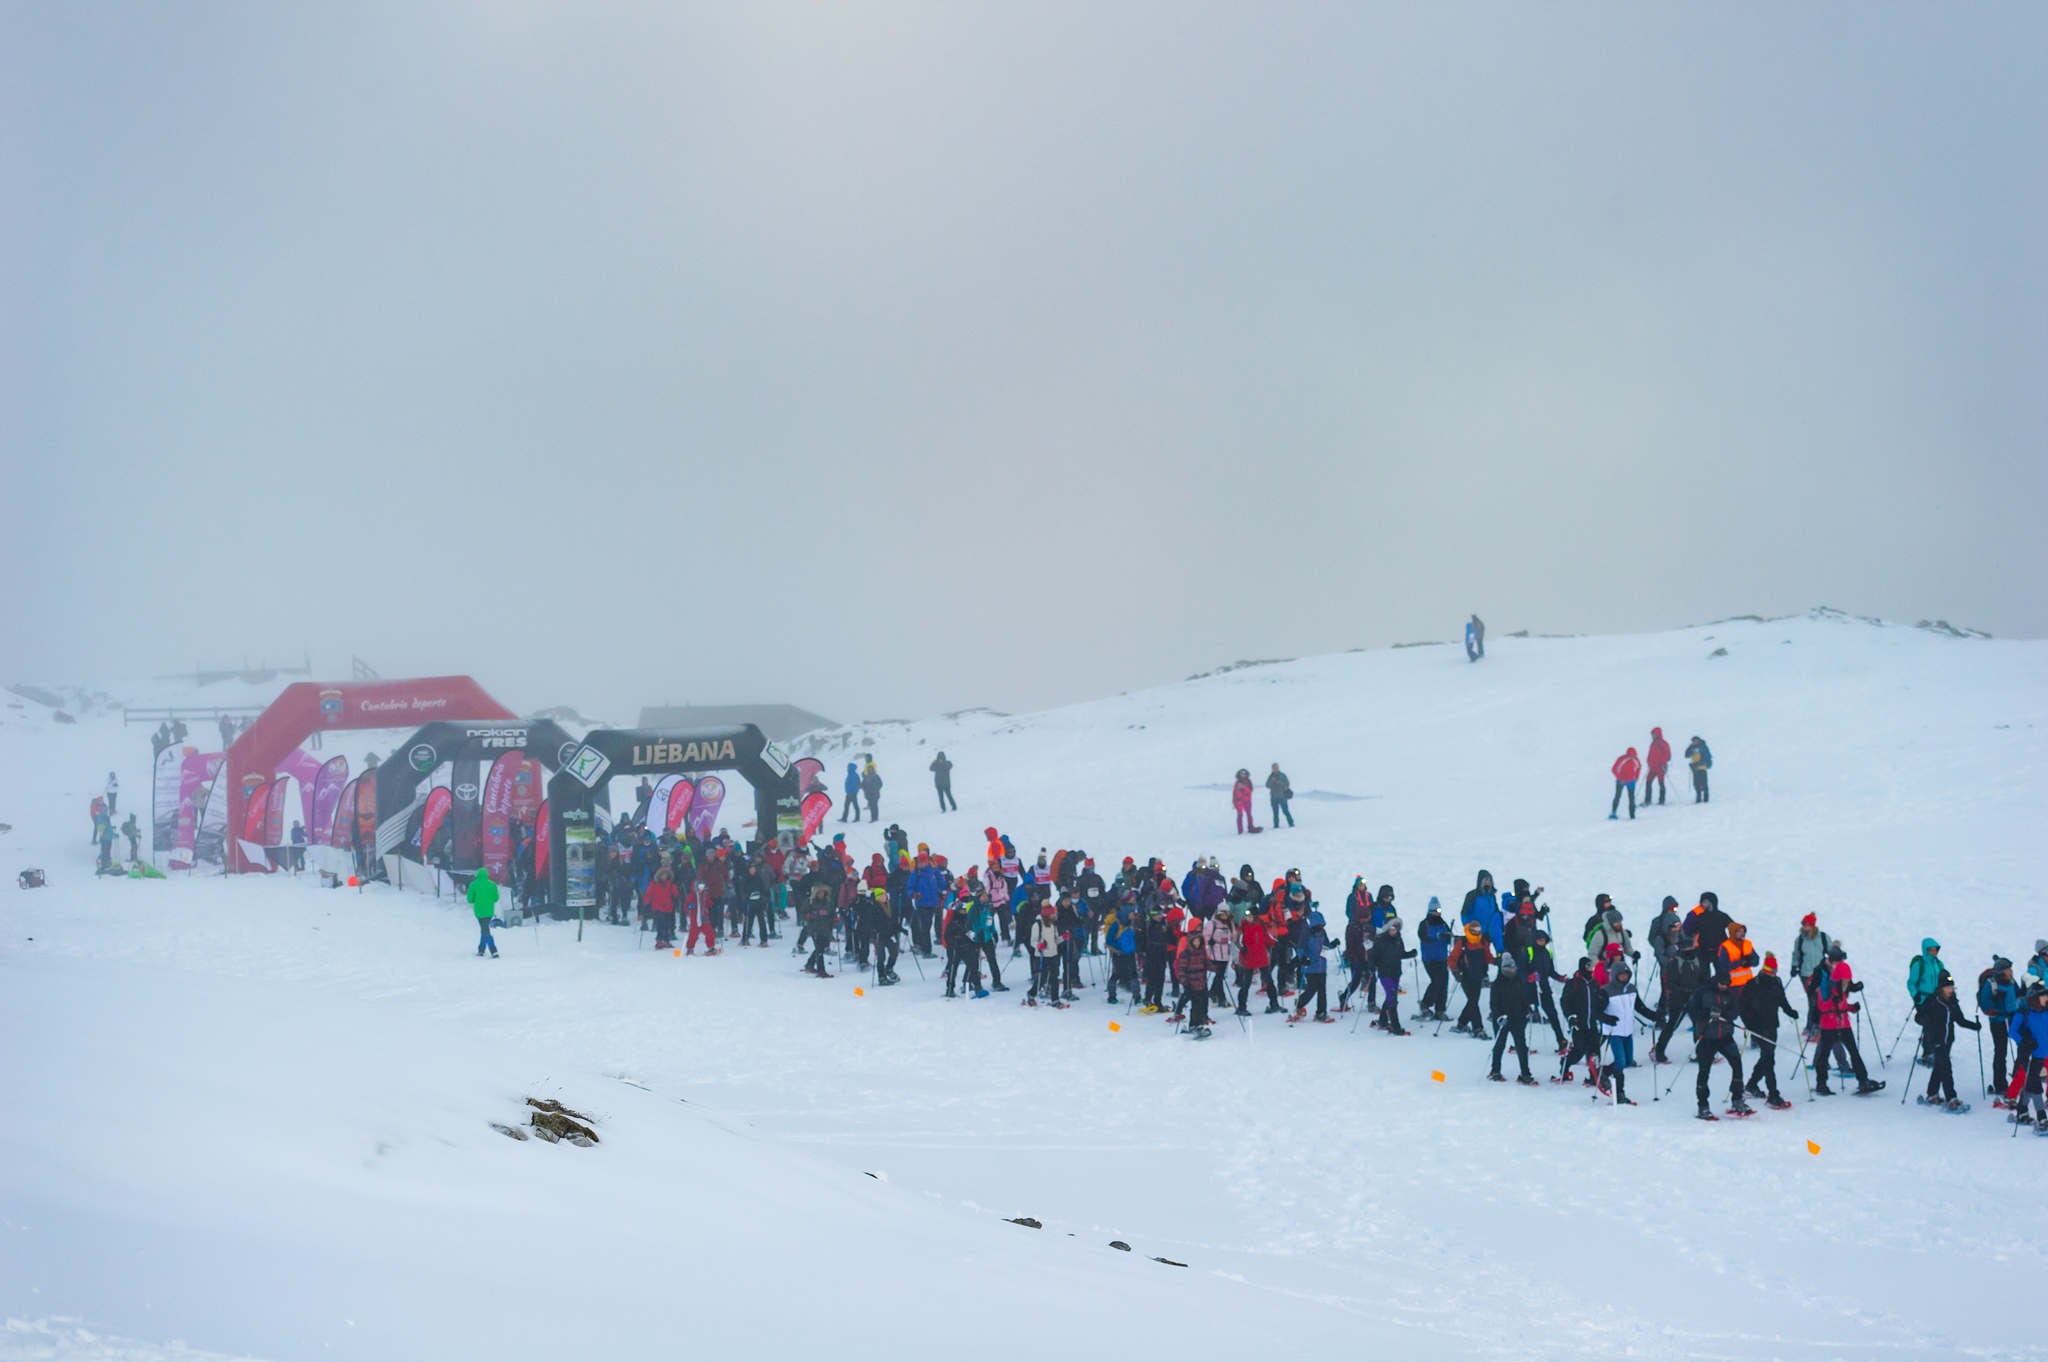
(1658, 761)
(1475, 639)
(1701, 760)
(1626, 768)
(871, 786)
(942, 779)
(852, 787)
(1281, 792)
(134, 836)
(1838, 986)
(113, 794)
(1923, 978)
(483, 901)
(298, 846)
(1939, 1017)
(660, 902)
(1998, 998)
(1241, 801)
(1433, 943)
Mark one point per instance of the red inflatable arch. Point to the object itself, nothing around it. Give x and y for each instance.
(309, 707)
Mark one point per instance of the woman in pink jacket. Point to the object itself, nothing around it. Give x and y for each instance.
(1241, 800)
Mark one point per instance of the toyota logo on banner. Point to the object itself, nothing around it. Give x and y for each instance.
(465, 792)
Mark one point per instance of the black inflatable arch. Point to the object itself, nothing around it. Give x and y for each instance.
(483, 741)
(578, 789)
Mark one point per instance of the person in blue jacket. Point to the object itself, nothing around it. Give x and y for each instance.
(2032, 1029)
(1998, 998)
(1433, 943)
(1483, 907)
(851, 809)
(927, 890)
(1475, 639)
(1315, 970)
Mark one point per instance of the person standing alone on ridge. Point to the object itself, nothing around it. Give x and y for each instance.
(1658, 760)
(852, 788)
(1702, 761)
(942, 779)
(1241, 801)
(871, 786)
(1626, 768)
(1281, 792)
(1475, 639)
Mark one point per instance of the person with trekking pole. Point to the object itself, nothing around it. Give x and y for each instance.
(1923, 981)
(1585, 1007)
(1998, 1002)
(1622, 1009)
(1939, 1017)
(1715, 1016)
(1763, 1002)
(1433, 950)
(1809, 958)
(1838, 1022)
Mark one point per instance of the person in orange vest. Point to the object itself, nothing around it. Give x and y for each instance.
(1737, 958)
(1627, 767)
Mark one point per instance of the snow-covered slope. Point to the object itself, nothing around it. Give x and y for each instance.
(255, 1116)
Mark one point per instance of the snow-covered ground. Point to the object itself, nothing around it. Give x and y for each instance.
(251, 1118)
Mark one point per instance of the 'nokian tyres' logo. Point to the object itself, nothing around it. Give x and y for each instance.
(423, 758)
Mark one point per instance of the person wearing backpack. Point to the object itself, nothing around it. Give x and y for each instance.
(1281, 793)
(1809, 958)
(1998, 998)
(1701, 760)
(871, 787)
(1923, 981)
(1838, 986)
(1627, 767)
(1715, 1016)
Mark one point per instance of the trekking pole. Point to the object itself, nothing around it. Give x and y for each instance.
(918, 961)
(1801, 1060)
(1895, 1039)
(1653, 1073)
(1980, 1053)
(1674, 1077)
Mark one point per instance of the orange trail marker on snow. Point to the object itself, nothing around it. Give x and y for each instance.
(679, 952)
(1116, 1026)
(859, 992)
(1812, 1148)
(1436, 1075)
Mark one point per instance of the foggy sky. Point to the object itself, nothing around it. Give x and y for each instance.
(886, 359)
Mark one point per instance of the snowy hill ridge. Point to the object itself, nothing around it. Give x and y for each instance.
(256, 1116)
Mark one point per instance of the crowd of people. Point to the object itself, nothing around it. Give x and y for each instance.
(1192, 947)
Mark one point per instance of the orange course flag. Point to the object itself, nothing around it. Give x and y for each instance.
(1116, 1026)
(1812, 1148)
(1436, 1075)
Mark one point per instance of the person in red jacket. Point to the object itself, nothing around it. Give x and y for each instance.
(660, 900)
(699, 905)
(1626, 768)
(1657, 761)
(1255, 960)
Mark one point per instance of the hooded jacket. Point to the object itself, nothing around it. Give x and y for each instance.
(1482, 906)
(1433, 937)
(1939, 1017)
(852, 779)
(1660, 752)
(1313, 943)
(1627, 767)
(1923, 975)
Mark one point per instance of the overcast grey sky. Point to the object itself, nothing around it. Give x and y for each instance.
(889, 358)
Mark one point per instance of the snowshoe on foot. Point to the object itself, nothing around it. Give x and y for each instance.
(1496, 1078)
(1955, 1106)
(1777, 1104)
(1823, 1090)
(1704, 1115)
(1527, 1080)
(1198, 1033)
(981, 993)
(1869, 1086)
(1000, 988)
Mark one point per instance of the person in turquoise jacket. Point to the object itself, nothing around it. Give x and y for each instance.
(483, 901)
(1923, 979)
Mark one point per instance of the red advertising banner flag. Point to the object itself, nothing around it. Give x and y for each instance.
(542, 844)
(704, 808)
(680, 796)
(815, 806)
(256, 811)
(497, 828)
(439, 801)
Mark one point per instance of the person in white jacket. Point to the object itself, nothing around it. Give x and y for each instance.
(1219, 936)
(113, 792)
(1619, 1026)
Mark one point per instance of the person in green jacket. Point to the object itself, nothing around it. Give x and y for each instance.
(1923, 980)
(483, 901)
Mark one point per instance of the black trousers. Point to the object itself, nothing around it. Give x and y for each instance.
(1518, 1031)
(1550, 1011)
(1198, 1007)
(1999, 1036)
(1942, 1082)
(1621, 787)
(1852, 1058)
(1654, 779)
(995, 973)
(1155, 979)
(1217, 971)
(1313, 987)
(946, 797)
(1705, 1058)
(1764, 1073)
(1699, 787)
(1470, 1018)
(1123, 973)
(1438, 995)
(1045, 975)
(1586, 1046)
(1674, 1013)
